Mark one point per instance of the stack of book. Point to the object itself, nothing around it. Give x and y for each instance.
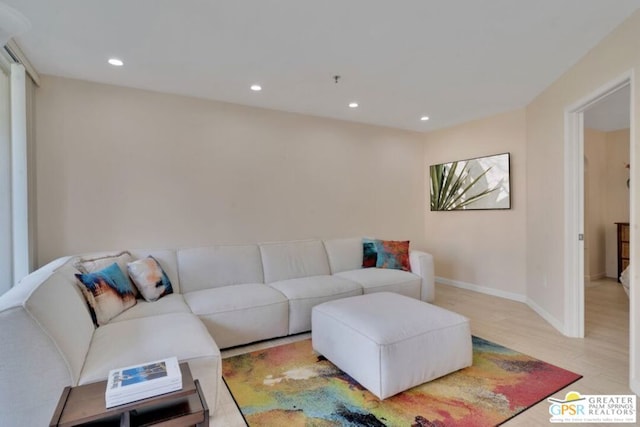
(142, 381)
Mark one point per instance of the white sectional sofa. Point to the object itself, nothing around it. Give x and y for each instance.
(224, 296)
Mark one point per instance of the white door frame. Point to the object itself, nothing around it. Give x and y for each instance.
(574, 202)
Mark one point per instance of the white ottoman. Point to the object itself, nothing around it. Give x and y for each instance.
(389, 342)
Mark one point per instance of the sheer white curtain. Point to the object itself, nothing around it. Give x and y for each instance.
(16, 93)
(6, 234)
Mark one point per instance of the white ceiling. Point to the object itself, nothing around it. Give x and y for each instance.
(453, 60)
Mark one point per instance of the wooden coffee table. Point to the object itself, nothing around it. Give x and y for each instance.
(85, 405)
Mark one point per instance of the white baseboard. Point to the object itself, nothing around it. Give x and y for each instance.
(546, 316)
(482, 289)
(504, 294)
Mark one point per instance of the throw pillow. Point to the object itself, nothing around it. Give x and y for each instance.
(150, 279)
(369, 254)
(393, 254)
(108, 293)
(90, 265)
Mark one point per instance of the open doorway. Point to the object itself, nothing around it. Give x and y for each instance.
(575, 201)
(606, 138)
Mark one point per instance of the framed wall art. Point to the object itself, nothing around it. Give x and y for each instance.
(473, 184)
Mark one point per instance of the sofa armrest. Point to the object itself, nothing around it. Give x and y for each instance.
(422, 265)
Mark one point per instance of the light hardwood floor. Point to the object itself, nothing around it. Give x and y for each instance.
(602, 357)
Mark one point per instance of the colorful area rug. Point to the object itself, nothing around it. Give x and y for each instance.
(290, 385)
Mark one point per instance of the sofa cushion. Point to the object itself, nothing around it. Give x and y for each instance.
(32, 369)
(306, 292)
(151, 338)
(344, 254)
(215, 266)
(292, 260)
(240, 314)
(39, 336)
(422, 265)
(59, 308)
(150, 279)
(385, 280)
(95, 262)
(173, 303)
(135, 341)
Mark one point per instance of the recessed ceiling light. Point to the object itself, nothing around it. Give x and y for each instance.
(256, 88)
(424, 118)
(353, 105)
(116, 62)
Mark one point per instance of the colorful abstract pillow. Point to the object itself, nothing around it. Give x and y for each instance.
(369, 253)
(393, 254)
(90, 265)
(108, 293)
(149, 278)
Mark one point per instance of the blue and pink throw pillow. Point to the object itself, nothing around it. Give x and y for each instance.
(393, 254)
(385, 254)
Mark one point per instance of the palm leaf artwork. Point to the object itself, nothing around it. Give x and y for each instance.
(451, 190)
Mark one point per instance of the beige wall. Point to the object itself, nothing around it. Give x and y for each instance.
(606, 198)
(482, 249)
(595, 189)
(119, 167)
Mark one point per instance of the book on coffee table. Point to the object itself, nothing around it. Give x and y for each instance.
(125, 385)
